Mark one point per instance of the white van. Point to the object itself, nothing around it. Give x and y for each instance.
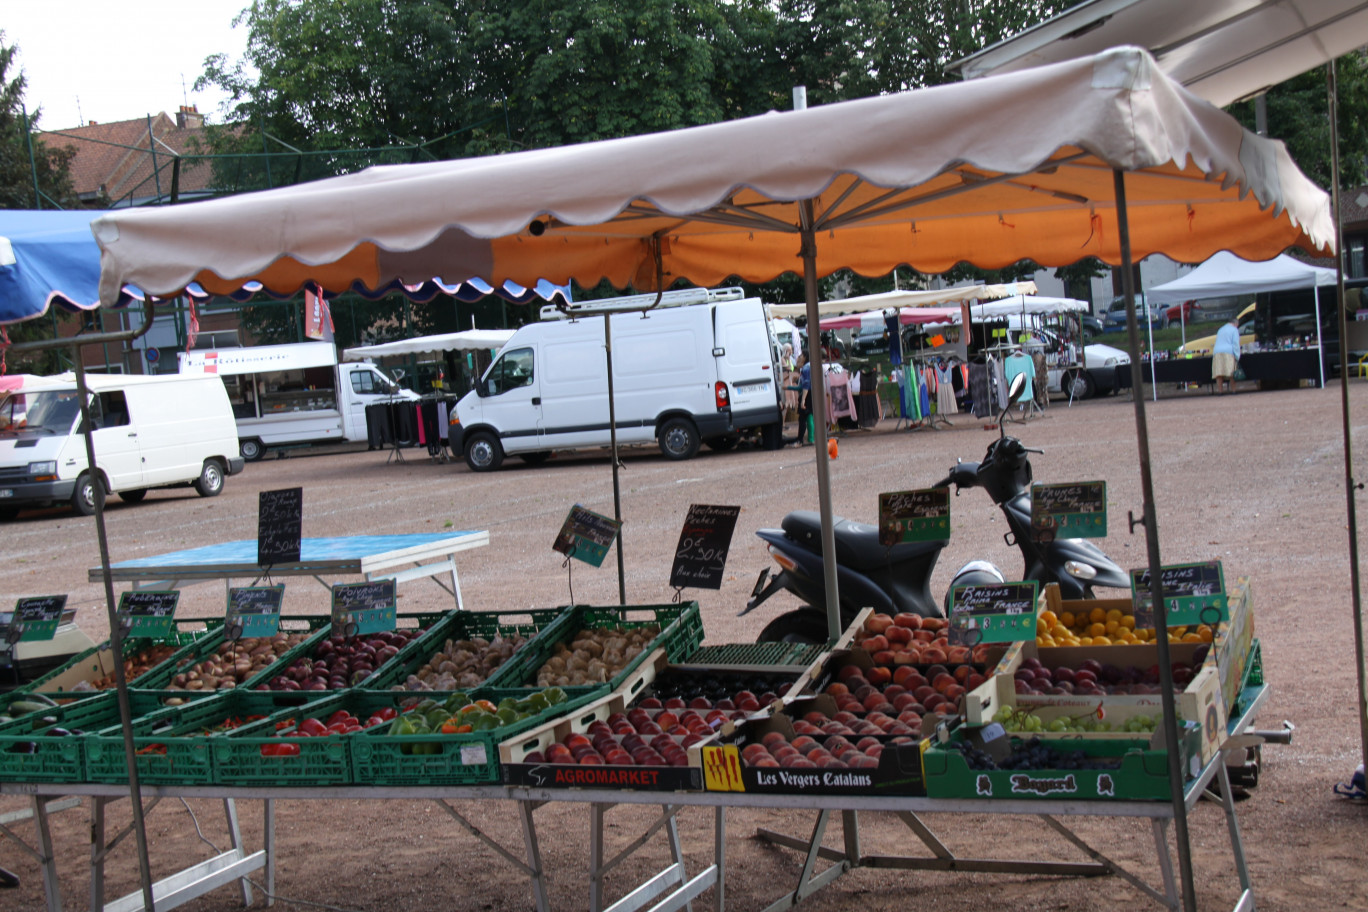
(295, 393)
(149, 432)
(682, 375)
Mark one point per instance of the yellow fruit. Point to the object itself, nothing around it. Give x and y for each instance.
(1128, 621)
(1097, 629)
(1112, 627)
(1097, 616)
(1192, 638)
(1115, 614)
(1047, 619)
(1066, 618)
(1101, 641)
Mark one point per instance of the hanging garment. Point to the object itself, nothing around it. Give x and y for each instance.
(442, 421)
(1019, 363)
(999, 382)
(979, 390)
(945, 391)
(1042, 379)
(842, 404)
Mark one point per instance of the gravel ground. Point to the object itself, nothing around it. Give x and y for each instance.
(1254, 479)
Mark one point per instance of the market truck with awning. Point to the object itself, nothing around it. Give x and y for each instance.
(682, 375)
(294, 394)
(148, 432)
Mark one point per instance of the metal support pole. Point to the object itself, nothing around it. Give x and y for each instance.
(1175, 766)
(1350, 486)
(612, 441)
(808, 251)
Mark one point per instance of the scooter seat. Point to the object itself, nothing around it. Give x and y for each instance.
(857, 543)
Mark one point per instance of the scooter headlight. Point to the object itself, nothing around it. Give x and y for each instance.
(1080, 570)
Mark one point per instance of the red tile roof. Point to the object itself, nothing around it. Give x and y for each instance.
(133, 160)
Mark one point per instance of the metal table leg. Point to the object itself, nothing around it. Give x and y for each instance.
(539, 896)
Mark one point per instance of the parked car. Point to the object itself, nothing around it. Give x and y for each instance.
(1114, 317)
(868, 339)
(1184, 311)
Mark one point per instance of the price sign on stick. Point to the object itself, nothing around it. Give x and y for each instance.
(36, 618)
(147, 612)
(914, 516)
(998, 613)
(586, 536)
(1193, 594)
(361, 608)
(702, 551)
(1077, 510)
(253, 611)
(280, 520)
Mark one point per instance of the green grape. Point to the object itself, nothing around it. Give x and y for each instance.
(1059, 725)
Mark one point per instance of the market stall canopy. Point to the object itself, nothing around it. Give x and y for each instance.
(930, 297)
(990, 171)
(50, 258)
(906, 316)
(422, 292)
(1222, 50)
(469, 340)
(1226, 274)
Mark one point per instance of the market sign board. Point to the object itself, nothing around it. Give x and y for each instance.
(996, 613)
(363, 608)
(253, 611)
(586, 536)
(1075, 510)
(280, 521)
(36, 618)
(148, 612)
(1193, 594)
(701, 555)
(914, 516)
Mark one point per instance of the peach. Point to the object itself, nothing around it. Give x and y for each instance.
(942, 681)
(891, 691)
(847, 671)
(905, 657)
(924, 693)
(898, 635)
(865, 691)
(875, 644)
(878, 623)
(901, 675)
(874, 700)
(962, 673)
(845, 718)
(974, 681)
(881, 658)
(933, 654)
(773, 739)
(882, 675)
(836, 688)
(923, 636)
(954, 692)
(908, 619)
(933, 623)
(855, 682)
(766, 762)
(958, 653)
(805, 728)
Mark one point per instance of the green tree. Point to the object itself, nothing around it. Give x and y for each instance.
(19, 169)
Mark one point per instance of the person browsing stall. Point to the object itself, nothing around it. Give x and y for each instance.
(1225, 356)
(804, 398)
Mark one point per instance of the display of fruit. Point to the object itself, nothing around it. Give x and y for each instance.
(634, 738)
(726, 690)
(908, 639)
(595, 655)
(1015, 719)
(903, 690)
(828, 751)
(463, 664)
(1092, 678)
(1034, 755)
(341, 662)
(1107, 627)
(21, 704)
(234, 662)
(736, 705)
(139, 663)
(459, 715)
(341, 722)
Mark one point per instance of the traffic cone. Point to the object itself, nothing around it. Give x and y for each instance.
(832, 449)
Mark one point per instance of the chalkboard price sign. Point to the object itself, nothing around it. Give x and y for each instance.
(1193, 594)
(914, 516)
(148, 612)
(999, 613)
(1076, 510)
(36, 618)
(253, 611)
(362, 608)
(280, 521)
(586, 536)
(702, 551)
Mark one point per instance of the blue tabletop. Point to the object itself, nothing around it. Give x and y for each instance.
(311, 550)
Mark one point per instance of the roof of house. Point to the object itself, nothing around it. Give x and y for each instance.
(132, 161)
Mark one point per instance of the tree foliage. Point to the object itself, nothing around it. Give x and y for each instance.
(18, 170)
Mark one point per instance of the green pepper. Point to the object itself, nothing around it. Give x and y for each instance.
(555, 695)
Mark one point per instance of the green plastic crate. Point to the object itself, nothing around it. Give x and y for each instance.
(171, 744)
(378, 758)
(798, 655)
(207, 645)
(310, 647)
(462, 625)
(1142, 776)
(1252, 680)
(180, 638)
(28, 754)
(681, 633)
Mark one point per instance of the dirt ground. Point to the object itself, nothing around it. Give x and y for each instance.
(1255, 479)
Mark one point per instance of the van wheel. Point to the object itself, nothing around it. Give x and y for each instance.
(134, 496)
(83, 499)
(1082, 385)
(722, 444)
(679, 439)
(535, 459)
(483, 453)
(251, 449)
(210, 482)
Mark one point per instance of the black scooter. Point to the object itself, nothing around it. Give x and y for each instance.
(898, 579)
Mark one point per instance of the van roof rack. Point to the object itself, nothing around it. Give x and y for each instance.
(678, 298)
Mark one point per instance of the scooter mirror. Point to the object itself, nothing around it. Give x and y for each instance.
(1014, 391)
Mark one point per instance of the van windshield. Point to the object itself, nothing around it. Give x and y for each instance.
(53, 411)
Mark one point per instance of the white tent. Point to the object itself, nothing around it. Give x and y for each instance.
(469, 340)
(1226, 274)
(932, 297)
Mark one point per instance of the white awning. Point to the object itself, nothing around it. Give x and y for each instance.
(468, 340)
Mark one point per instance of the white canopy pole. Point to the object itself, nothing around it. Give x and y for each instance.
(1320, 348)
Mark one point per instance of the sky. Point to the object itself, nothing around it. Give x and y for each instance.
(108, 60)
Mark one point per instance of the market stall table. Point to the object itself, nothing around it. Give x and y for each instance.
(1271, 366)
(373, 556)
(673, 880)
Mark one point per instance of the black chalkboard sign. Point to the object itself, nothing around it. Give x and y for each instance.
(148, 612)
(701, 554)
(36, 618)
(1074, 510)
(280, 521)
(1193, 594)
(253, 611)
(998, 613)
(362, 608)
(914, 516)
(586, 535)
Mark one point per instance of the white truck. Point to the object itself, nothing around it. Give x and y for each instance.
(296, 393)
(699, 369)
